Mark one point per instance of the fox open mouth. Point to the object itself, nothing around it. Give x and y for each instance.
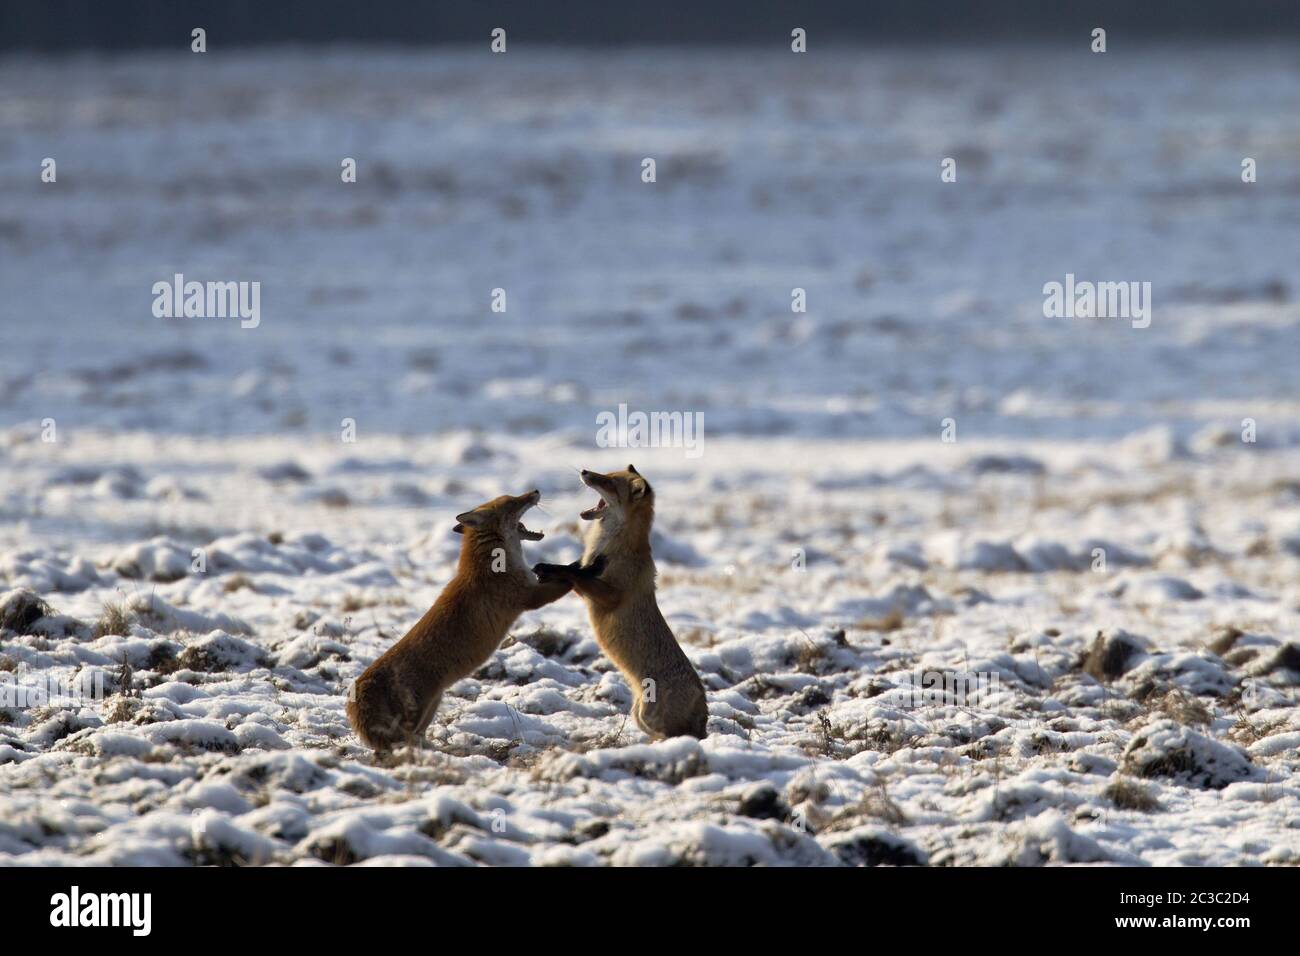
(527, 503)
(593, 513)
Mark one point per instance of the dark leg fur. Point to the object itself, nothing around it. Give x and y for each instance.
(586, 581)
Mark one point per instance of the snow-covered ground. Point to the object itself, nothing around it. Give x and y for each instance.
(1098, 548)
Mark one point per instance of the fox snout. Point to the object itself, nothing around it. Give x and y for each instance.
(594, 479)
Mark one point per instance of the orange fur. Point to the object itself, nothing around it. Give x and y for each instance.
(394, 700)
(617, 580)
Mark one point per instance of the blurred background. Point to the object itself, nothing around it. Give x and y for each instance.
(775, 171)
(134, 24)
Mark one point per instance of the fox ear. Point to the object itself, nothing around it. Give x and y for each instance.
(471, 519)
(459, 529)
(640, 487)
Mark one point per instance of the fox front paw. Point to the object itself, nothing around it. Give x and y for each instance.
(548, 571)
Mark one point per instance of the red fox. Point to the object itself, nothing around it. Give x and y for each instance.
(616, 577)
(392, 702)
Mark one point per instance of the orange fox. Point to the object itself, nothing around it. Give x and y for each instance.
(616, 577)
(392, 702)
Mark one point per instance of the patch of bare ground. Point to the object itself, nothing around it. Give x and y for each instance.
(1127, 794)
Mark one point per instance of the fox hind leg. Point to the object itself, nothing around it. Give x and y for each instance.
(649, 718)
(639, 716)
(657, 720)
(426, 718)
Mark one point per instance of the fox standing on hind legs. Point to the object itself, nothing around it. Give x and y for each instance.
(616, 577)
(393, 701)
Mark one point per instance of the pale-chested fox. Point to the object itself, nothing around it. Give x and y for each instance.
(392, 702)
(616, 577)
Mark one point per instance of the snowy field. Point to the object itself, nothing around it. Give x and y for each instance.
(1098, 545)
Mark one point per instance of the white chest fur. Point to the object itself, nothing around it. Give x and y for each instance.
(599, 535)
(515, 562)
